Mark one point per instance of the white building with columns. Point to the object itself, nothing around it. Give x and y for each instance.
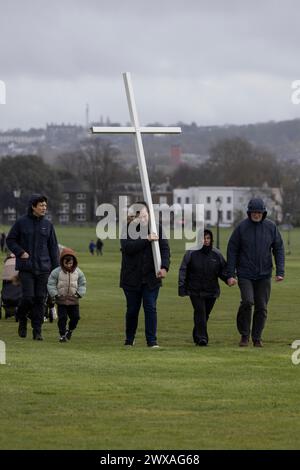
(232, 201)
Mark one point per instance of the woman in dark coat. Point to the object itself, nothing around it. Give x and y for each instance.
(138, 278)
(198, 278)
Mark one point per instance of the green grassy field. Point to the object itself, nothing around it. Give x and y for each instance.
(92, 393)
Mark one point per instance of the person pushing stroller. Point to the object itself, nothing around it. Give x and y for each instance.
(11, 292)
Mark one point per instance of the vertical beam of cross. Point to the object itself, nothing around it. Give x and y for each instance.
(137, 131)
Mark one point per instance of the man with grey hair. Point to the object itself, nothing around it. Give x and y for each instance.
(249, 255)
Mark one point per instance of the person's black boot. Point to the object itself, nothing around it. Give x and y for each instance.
(22, 329)
(37, 335)
(244, 341)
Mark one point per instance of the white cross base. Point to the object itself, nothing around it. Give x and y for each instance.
(137, 131)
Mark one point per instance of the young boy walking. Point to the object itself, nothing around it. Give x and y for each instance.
(66, 285)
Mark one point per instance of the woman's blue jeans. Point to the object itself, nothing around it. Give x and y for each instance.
(134, 300)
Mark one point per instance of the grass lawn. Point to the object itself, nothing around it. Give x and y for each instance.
(92, 393)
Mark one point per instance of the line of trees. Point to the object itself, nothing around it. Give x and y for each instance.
(28, 174)
(96, 162)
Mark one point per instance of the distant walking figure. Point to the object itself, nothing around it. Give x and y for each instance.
(99, 246)
(92, 247)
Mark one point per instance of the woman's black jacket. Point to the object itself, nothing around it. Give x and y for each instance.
(138, 264)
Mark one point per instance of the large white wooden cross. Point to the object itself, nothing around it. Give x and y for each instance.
(137, 131)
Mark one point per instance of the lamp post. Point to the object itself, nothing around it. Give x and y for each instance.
(288, 221)
(17, 194)
(218, 206)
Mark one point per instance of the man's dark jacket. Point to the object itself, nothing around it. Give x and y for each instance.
(138, 264)
(199, 273)
(250, 249)
(36, 236)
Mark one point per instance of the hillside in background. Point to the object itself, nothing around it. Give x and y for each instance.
(281, 138)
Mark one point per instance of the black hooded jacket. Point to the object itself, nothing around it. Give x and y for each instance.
(199, 272)
(36, 236)
(251, 245)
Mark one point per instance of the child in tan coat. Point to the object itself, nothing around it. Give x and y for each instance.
(66, 285)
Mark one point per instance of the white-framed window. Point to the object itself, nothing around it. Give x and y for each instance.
(81, 217)
(64, 207)
(179, 200)
(81, 208)
(229, 199)
(81, 196)
(66, 196)
(208, 199)
(207, 215)
(63, 218)
(187, 200)
(229, 215)
(9, 210)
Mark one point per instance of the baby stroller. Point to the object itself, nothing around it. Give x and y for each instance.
(11, 292)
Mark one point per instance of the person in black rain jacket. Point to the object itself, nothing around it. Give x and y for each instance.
(32, 239)
(198, 278)
(249, 255)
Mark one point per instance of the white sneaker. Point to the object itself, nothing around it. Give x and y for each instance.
(155, 346)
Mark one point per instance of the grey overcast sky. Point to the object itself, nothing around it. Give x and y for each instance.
(213, 62)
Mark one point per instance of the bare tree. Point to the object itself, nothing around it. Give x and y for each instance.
(72, 163)
(100, 166)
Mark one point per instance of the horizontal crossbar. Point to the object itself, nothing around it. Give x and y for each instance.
(133, 130)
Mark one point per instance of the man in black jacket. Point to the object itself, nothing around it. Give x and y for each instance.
(249, 254)
(32, 239)
(138, 278)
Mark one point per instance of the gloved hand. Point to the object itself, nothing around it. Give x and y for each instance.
(181, 291)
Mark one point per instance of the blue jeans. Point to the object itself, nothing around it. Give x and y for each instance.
(134, 300)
